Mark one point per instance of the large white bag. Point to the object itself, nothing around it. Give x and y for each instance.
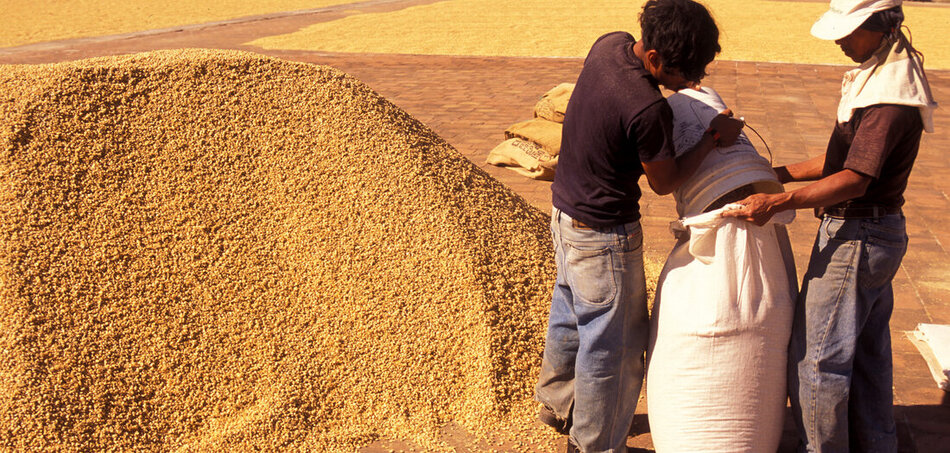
(722, 317)
(723, 169)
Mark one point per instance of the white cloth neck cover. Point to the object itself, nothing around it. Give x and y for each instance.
(893, 75)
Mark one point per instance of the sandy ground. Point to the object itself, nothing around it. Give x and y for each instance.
(752, 30)
(48, 20)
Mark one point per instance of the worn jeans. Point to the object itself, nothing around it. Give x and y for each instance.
(840, 369)
(597, 332)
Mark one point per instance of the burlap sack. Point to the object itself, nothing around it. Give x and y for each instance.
(554, 103)
(524, 157)
(544, 132)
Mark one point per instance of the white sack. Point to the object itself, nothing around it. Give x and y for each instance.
(936, 338)
(719, 339)
(724, 303)
(723, 169)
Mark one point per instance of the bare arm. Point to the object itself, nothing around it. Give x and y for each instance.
(809, 170)
(665, 176)
(830, 190)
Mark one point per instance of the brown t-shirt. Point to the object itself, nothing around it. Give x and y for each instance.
(880, 141)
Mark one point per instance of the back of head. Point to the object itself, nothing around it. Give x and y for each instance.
(886, 21)
(683, 33)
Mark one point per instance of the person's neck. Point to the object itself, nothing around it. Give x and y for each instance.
(639, 51)
(879, 55)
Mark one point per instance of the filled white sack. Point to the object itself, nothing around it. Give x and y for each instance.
(724, 168)
(719, 339)
(716, 377)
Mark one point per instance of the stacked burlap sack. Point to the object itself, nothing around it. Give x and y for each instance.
(531, 147)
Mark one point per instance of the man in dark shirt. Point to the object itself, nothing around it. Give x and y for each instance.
(617, 127)
(840, 368)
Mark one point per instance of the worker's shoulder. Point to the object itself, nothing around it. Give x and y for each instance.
(890, 116)
(891, 109)
(615, 37)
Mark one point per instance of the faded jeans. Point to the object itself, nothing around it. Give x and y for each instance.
(840, 369)
(597, 332)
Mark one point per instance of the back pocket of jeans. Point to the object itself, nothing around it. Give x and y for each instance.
(591, 274)
(881, 260)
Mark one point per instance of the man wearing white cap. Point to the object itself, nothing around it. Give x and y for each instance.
(840, 370)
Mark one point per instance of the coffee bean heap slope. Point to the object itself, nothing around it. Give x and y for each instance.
(216, 250)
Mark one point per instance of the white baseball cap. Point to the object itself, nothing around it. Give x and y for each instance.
(844, 16)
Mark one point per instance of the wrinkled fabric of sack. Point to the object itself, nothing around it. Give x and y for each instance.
(719, 336)
(936, 337)
(531, 147)
(553, 104)
(547, 134)
(525, 158)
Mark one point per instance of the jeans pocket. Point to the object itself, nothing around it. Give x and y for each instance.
(634, 239)
(881, 260)
(591, 274)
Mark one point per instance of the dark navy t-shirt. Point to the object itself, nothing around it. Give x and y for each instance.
(615, 119)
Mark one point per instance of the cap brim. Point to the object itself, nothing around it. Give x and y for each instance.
(833, 26)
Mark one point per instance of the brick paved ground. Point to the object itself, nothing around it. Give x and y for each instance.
(470, 100)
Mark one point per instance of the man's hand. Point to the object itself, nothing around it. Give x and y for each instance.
(728, 127)
(757, 208)
(828, 191)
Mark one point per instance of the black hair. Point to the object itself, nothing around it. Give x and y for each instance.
(683, 34)
(886, 21)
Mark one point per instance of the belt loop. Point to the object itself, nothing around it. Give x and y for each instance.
(826, 225)
(622, 232)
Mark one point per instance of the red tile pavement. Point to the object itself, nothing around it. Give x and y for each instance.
(469, 101)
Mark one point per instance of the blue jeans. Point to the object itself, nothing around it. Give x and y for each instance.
(839, 368)
(597, 332)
